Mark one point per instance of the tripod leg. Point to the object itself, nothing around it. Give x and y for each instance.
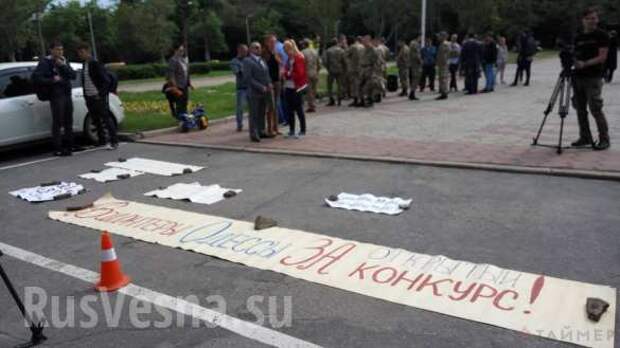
(559, 87)
(35, 329)
(561, 135)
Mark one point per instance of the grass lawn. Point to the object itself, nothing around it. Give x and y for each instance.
(149, 110)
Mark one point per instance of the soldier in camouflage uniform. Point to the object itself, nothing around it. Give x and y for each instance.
(370, 63)
(346, 79)
(443, 65)
(415, 67)
(335, 65)
(403, 63)
(353, 57)
(379, 73)
(384, 54)
(313, 67)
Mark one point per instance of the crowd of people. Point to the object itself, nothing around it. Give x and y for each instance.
(277, 79)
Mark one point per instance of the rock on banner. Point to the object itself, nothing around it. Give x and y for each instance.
(531, 303)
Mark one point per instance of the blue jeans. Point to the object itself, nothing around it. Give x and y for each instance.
(489, 74)
(242, 102)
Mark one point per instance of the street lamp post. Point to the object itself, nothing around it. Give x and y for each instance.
(247, 29)
(92, 35)
(423, 24)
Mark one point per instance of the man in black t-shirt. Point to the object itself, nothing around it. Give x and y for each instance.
(591, 46)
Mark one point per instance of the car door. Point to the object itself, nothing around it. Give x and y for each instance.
(41, 126)
(79, 103)
(17, 119)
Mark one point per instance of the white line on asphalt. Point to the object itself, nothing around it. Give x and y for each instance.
(47, 159)
(240, 327)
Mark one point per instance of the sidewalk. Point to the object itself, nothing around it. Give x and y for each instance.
(156, 85)
(488, 129)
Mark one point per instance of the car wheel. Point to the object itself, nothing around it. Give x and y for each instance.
(90, 130)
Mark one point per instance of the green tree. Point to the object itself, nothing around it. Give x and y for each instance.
(145, 30)
(16, 25)
(208, 28)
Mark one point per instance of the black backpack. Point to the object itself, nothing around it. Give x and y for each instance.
(113, 78)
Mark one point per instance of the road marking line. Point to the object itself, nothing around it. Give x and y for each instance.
(240, 327)
(47, 159)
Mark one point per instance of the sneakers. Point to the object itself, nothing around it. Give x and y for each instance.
(601, 145)
(111, 147)
(582, 142)
(291, 136)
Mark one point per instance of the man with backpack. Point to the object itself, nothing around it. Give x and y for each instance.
(52, 80)
(96, 82)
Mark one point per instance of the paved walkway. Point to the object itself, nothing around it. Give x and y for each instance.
(494, 128)
(198, 82)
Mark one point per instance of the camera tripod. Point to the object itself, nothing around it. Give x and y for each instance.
(562, 91)
(36, 330)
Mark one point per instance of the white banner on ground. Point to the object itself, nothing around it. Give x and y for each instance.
(370, 204)
(154, 167)
(533, 304)
(48, 192)
(193, 192)
(110, 174)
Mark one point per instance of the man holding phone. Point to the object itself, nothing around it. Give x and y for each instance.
(53, 75)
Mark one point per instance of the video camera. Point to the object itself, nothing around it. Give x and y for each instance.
(567, 55)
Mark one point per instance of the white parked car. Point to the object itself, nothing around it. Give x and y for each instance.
(24, 118)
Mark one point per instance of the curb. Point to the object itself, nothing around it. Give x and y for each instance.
(137, 136)
(574, 173)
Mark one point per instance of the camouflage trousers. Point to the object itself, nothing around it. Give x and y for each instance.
(372, 85)
(340, 84)
(355, 81)
(415, 74)
(403, 76)
(443, 76)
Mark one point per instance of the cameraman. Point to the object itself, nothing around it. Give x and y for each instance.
(591, 48)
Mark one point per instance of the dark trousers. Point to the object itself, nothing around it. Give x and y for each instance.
(471, 79)
(609, 75)
(178, 105)
(102, 119)
(524, 65)
(454, 69)
(588, 94)
(62, 118)
(295, 104)
(428, 72)
(258, 107)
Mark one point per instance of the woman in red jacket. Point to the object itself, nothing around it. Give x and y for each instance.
(295, 85)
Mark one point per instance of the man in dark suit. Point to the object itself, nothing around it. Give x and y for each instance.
(259, 84)
(53, 77)
(471, 58)
(96, 83)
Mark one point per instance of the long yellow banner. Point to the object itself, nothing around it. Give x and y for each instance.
(531, 303)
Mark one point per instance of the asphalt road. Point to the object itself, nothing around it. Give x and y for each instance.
(562, 227)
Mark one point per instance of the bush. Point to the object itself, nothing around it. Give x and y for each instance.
(148, 71)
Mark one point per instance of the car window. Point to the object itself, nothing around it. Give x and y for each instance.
(77, 83)
(15, 83)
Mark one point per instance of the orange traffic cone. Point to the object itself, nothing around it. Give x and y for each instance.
(112, 277)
